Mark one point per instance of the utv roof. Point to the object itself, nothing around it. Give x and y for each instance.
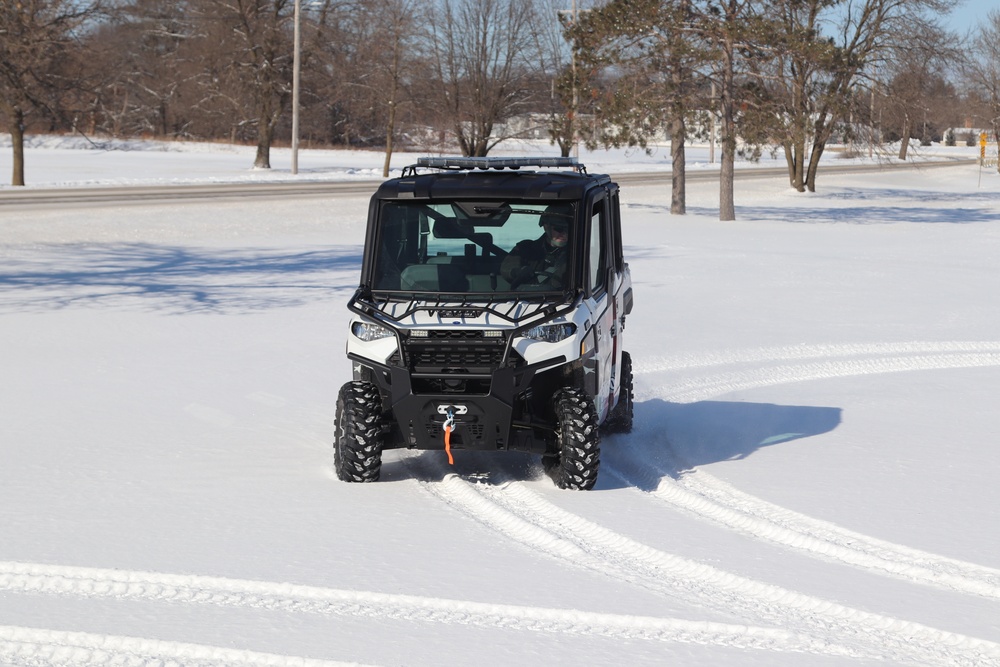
(501, 177)
(498, 162)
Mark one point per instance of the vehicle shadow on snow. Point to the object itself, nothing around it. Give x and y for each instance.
(677, 437)
(673, 438)
(965, 209)
(668, 438)
(173, 278)
(866, 215)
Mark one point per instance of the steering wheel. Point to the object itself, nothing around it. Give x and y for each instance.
(535, 279)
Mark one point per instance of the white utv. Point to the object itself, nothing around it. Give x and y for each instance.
(489, 317)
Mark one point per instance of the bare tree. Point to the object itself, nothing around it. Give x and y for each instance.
(917, 80)
(387, 38)
(554, 65)
(146, 65)
(37, 40)
(482, 57)
(247, 56)
(918, 70)
(186, 68)
(332, 41)
(733, 29)
(815, 73)
(561, 76)
(653, 49)
(664, 54)
(797, 62)
(983, 70)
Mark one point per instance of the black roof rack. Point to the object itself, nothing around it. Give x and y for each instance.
(460, 163)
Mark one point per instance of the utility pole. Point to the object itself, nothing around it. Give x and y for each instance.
(711, 126)
(574, 103)
(871, 125)
(296, 71)
(576, 144)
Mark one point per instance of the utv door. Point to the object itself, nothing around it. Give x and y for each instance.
(606, 285)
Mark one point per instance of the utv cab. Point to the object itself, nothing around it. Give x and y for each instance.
(473, 330)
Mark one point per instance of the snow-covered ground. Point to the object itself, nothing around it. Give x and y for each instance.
(812, 478)
(74, 161)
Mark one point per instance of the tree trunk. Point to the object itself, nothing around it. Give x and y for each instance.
(727, 172)
(678, 178)
(565, 148)
(996, 138)
(904, 142)
(799, 171)
(463, 143)
(264, 134)
(390, 131)
(678, 136)
(795, 158)
(814, 157)
(268, 112)
(564, 133)
(268, 119)
(795, 145)
(727, 204)
(822, 131)
(17, 143)
(163, 116)
(482, 144)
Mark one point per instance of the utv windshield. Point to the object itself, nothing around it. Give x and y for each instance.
(474, 247)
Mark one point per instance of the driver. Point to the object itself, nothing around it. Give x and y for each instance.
(542, 261)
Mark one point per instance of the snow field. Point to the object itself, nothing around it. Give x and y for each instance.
(810, 480)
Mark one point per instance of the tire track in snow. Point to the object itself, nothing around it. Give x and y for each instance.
(522, 515)
(83, 582)
(808, 351)
(709, 498)
(35, 647)
(701, 388)
(701, 494)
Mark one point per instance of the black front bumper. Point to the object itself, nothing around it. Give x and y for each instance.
(501, 418)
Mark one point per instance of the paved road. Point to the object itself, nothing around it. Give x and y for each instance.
(12, 199)
(649, 178)
(31, 198)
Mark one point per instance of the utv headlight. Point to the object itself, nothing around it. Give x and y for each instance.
(369, 331)
(551, 333)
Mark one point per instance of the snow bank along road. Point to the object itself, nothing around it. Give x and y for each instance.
(780, 619)
(32, 198)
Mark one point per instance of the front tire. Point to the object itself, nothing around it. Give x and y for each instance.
(578, 440)
(357, 449)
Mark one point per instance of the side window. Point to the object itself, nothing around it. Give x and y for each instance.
(618, 253)
(597, 261)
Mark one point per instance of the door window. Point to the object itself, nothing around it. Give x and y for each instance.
(597, 261)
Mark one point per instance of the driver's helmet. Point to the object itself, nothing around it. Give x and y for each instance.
(556, 219)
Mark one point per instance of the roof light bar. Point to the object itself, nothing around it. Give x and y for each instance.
(498, 162)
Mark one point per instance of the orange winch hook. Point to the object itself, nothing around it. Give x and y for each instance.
(449, 425)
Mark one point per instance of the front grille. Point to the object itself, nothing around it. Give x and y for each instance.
(453, 352)
(459, 358)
